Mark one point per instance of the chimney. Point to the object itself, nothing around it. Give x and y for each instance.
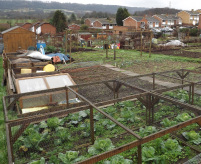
(145, 16)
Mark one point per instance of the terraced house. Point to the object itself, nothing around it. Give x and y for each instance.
(168, 20)
(138, 22)
(189, 18)
(100, 23)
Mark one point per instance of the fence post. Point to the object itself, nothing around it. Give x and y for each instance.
(91, 125)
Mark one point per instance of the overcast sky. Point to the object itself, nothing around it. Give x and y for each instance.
(178, 4)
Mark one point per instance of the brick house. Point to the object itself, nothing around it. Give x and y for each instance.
(189, 18)
(26, 25)
(89, 21)
(100, 23)
(133, 21)
(168, 20)
(75, 27)
(45, 28)
(34, 26)
(149, 22)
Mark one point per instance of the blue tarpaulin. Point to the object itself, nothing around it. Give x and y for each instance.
(61, 56)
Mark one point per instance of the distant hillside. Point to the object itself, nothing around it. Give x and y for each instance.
(67, 7)
(157, 11)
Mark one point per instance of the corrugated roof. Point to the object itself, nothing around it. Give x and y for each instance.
(10, 29)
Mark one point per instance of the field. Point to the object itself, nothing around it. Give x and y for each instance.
(47, 138)
(14, 21)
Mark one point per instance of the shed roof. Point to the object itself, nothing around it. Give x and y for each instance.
(10, 29)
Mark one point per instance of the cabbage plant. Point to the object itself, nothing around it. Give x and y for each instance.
(70, 157)
(183, 117)
(147, 130)
(167, 123)
(193, 137)
(100, 146)
(117, 159)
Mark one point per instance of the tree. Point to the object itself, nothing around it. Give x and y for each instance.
(121, 14)
(73, 18)
(59, 20)
(84, 27)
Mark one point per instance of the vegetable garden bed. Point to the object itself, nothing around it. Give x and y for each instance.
(136, 126)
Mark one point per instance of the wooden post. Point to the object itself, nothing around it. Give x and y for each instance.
(66, 42)
(91, 125)
(193, 91)
(154, 81)
(70, 46)
(150, 44)
(107, 51)
(141, 43)
(139, 154)
(114, 51)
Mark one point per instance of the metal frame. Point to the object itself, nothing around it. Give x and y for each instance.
(147, 98)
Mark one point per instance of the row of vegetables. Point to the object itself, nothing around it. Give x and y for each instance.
(55, 135)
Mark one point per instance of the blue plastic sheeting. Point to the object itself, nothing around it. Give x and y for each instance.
(61, 56)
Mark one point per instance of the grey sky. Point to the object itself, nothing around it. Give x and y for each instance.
(178, 4)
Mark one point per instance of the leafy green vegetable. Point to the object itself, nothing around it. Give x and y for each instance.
(183, 117)
(128, 115)
(43, 124)
(34, 139)
(193, 137)
(171, 145)
(117, 159)
(41, 161)
(109, 124)
(148, 154)
(100, 146)
(147, 130)
(53, 122)
(167, 123)
(63, 135)
(70, 157)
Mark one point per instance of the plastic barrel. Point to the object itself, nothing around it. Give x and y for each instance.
(39, 44)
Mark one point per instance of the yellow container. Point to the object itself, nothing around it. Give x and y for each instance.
(49, 68)
(25, 71)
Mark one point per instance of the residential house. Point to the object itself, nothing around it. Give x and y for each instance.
(89, 21)
(45, 28)
(189, 18)
(133, 21)
(33, 27)
(168, 20)
(149, 22)
(75, 27)
(100, 23)
(26, 25)
(104, 23)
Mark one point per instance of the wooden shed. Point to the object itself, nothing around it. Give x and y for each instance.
(17, 38)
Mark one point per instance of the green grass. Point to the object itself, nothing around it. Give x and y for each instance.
(3, 146)
(132, 59)
(14, 21)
